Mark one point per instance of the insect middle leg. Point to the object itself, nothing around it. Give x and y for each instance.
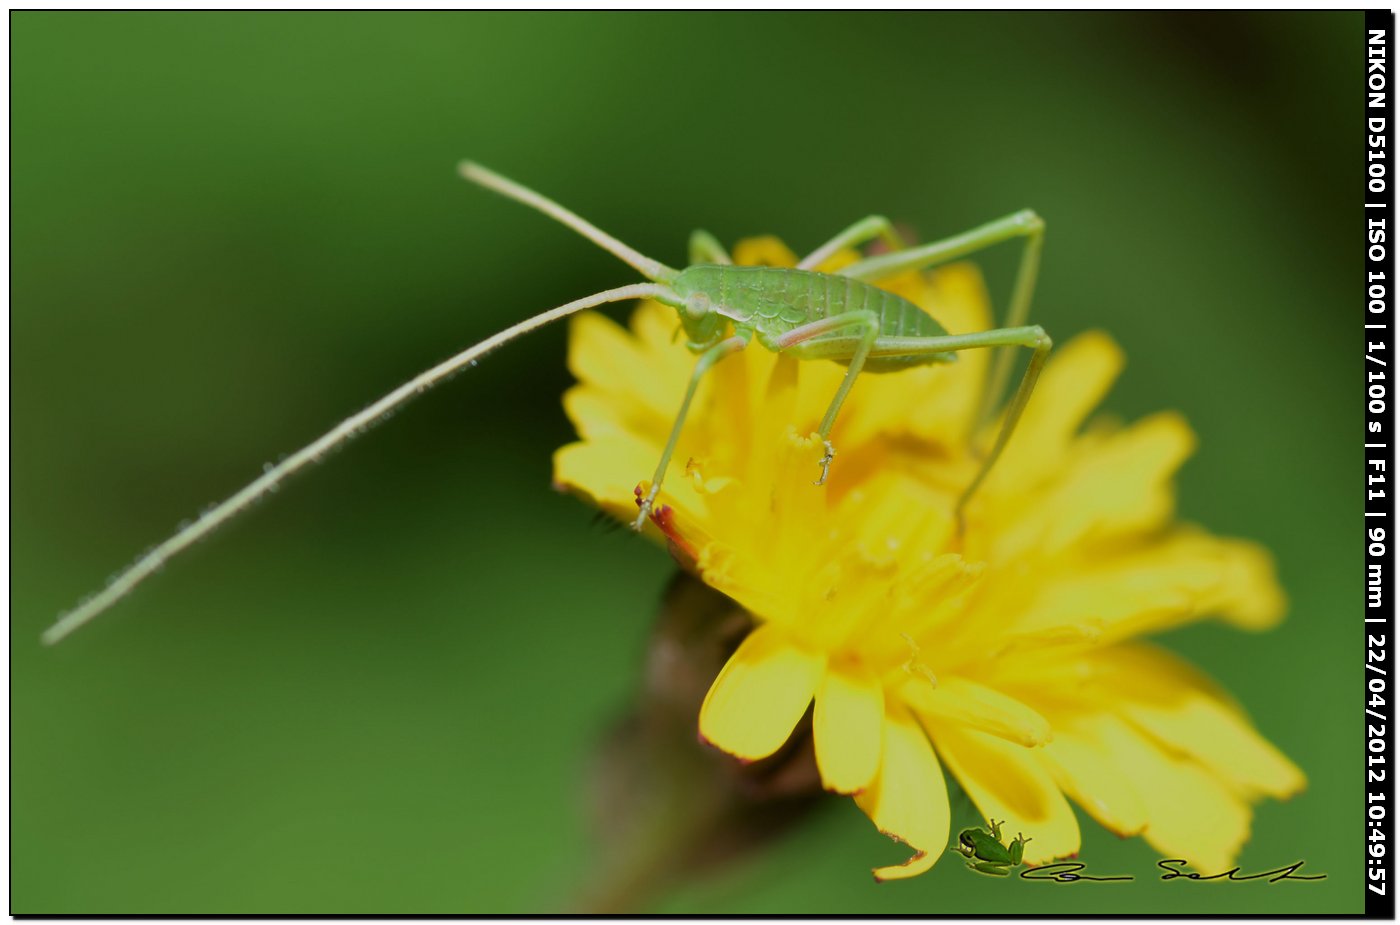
(804, 336)
(867, 229)
(1025, 224)
(707, 359)
(705, 248)
(1032, 336)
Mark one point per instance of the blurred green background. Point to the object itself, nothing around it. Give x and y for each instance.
(379, 691)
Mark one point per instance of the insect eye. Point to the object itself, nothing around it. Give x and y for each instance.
(697, 305)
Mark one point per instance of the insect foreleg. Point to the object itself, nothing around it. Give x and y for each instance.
(867, 229)
(1024, 224)
(705, 248)
(707, 359)
(868, 324)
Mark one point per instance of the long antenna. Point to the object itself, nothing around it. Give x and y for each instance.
(651, 269)
(152, 561)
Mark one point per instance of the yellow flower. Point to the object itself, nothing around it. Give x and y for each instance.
(1007, 655)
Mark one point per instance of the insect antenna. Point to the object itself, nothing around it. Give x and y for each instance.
(313, 452)
(651, 269)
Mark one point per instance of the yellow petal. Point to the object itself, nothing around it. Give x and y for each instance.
(1087, 773)
(1250, 596)
(909, 799)
(606, 357)
(743, 578)
(958, 700)
(774, 416)
(1120, 484)
(1075, 380)
(593, 413)
(605, 470)
(936, 402)
(657, 328)
(1185, 575)
(608, 471)
(760, 695)
(847, 722)
(1190, 814)
(929, 603)
(890, 517)
(793, 500)
(1125, 483)
(1008, 782)
(766, 251)
(1170, 700)
(958, 299)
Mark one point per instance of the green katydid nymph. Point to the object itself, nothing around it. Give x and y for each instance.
(841, 316)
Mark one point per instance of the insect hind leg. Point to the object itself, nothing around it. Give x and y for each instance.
(867, 229)
(1024, 224)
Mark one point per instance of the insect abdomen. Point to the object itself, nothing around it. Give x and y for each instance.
(774, 300)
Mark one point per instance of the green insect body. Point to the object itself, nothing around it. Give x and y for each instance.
(773, 301)
(838, 316)
(985, 852)
(842, 316)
